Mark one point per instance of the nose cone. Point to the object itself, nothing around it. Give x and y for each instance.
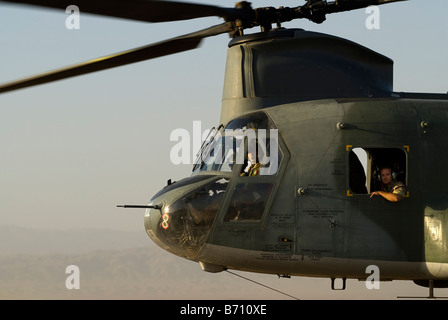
(187, 213)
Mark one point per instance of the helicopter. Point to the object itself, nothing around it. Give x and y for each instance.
(322, 101)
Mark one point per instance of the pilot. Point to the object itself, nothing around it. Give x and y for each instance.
(253, 166)
(391, 190)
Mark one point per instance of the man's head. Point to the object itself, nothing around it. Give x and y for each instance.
(386, 175)
(253, 156)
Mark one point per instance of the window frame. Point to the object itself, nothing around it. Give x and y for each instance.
(376, 157)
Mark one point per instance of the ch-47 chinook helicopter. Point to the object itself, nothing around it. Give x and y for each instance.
(325, 107)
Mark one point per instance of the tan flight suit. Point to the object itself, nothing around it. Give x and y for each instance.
(396, 187)
(254, 170)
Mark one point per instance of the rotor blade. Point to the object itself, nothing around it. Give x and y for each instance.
(388, 1)
(356, 4)
(141, 10)
(316, 11)
(175, 45)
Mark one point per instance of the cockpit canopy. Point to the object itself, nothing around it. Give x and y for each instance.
(246, 141)
(223, 187)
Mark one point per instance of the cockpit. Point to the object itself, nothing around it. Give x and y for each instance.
(233, 178)
(244, 141)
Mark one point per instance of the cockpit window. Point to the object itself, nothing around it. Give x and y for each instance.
(248, 201)
(245, 141)
(262, 157)
(185, 223)
(255, 121)
(219, 155)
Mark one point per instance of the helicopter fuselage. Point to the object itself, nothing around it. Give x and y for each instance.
(314, 216)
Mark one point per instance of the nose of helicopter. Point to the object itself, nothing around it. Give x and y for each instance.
(183, 216)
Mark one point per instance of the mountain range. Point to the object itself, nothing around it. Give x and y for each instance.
(112, 265)
(126, 265)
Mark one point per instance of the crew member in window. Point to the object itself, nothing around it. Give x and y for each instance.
(391, 190)
(253, 165)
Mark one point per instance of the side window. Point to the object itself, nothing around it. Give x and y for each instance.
(259, 150)
(262, 158)
(248, 201)
(365, 165)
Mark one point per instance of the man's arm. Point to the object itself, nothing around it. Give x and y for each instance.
(392, 197)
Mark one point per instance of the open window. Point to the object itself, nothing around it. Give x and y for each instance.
(365, 165)
(248, 140)
(260, 151)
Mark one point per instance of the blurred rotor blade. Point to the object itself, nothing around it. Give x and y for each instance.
(388, 1)
(167, 47)
(141, 10)
(316, 10)
(348, 5)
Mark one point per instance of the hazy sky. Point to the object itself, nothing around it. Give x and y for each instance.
(72, 150)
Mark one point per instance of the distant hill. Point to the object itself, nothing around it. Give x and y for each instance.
(113, 265)
(19, 240)
(138, 273)
(128, 265)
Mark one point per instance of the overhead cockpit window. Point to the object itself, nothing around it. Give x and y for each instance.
(257, 121)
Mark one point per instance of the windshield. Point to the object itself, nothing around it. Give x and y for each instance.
(219, 154)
